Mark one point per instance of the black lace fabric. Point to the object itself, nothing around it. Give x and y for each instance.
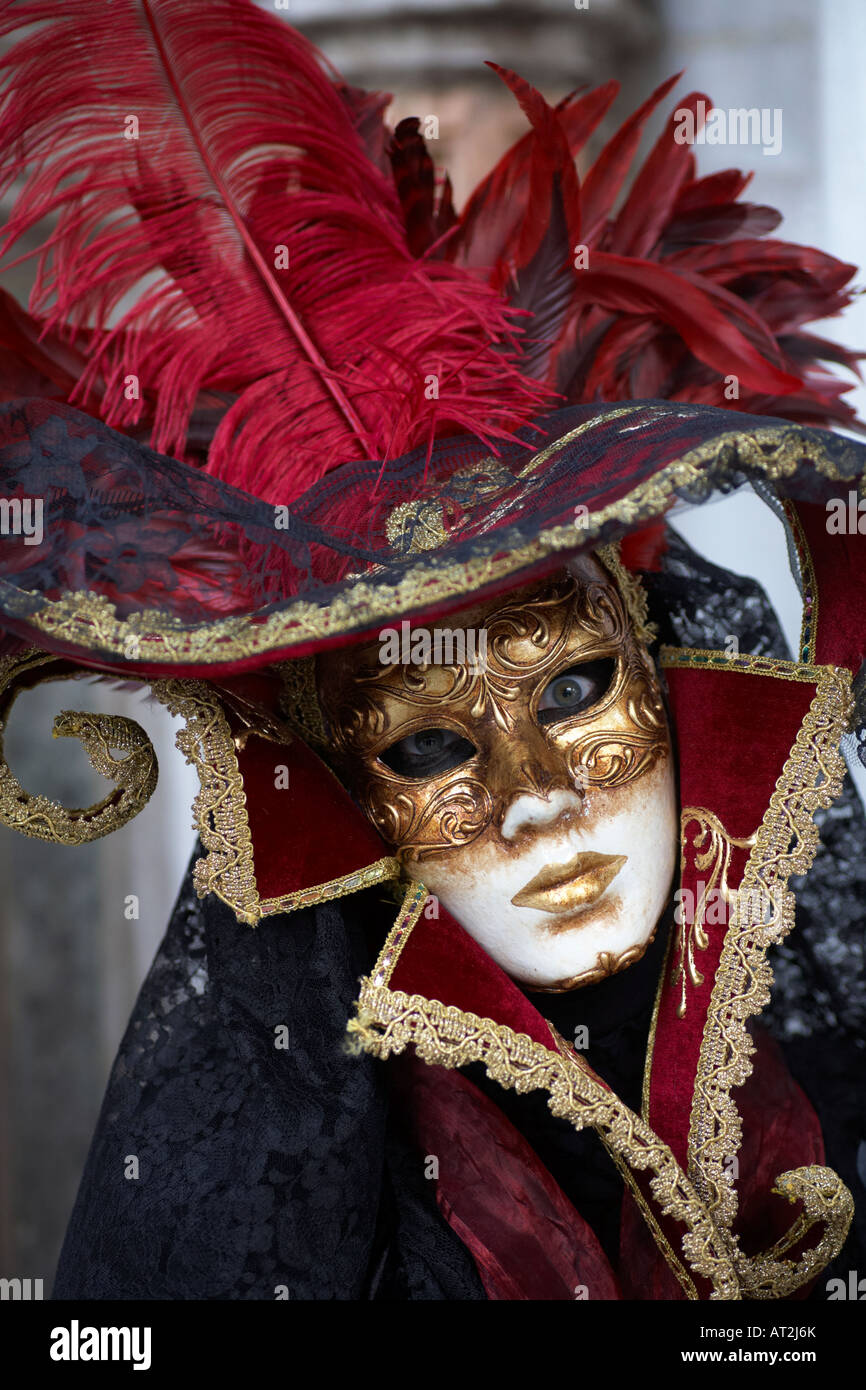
(235, 1160)
(142, 531)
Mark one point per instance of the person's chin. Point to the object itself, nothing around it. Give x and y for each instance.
(591, 964)
(588, 971)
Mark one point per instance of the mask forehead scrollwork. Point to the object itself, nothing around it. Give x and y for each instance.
(494, 712)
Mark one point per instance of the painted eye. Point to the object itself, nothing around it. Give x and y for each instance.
(575, 690)
(427, 753)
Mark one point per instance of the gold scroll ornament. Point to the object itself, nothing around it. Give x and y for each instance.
(134, 775)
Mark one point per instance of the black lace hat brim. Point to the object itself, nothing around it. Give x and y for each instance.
(142, 563)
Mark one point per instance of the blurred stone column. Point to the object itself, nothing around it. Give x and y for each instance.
(72, 960)
(431, 57)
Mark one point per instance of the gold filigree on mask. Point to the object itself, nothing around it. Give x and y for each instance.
(531, 637)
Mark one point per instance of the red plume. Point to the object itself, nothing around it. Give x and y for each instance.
(643, 549)
(218, 177)
(676, 293)
(249, 266)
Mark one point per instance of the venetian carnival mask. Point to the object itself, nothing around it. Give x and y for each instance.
(519, 765)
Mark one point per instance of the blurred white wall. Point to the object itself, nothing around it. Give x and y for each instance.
(808, 60)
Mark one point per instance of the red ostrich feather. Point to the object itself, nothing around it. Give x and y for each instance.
(163, 262)
(247, 243)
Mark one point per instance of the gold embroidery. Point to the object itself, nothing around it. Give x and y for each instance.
(416, 526)
(707, 659)
(134, 776)
(388, 1020)
(419, 525)
(220, 808)
(716, 856)
(785, 844)
(90, 620)
(378, 872)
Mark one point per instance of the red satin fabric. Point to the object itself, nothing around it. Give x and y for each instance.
(525, 1237)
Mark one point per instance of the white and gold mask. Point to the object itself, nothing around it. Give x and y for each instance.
(533, 793)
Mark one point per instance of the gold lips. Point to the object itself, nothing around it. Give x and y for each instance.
(578, 883)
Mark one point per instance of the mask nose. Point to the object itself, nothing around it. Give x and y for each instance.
(530, 781)
(526, 812)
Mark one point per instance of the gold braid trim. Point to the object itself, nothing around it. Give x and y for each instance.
(827, 1201)
(708, 659)
(134, 776)
(632, 590)
(90, 620)
(654, 1023)
(378, 872)
(220, 808)
(388, 1020)
(299, 700)
(809, 580)
(763, 913)
(220, 813)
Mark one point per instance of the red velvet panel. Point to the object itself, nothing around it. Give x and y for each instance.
(441, 961)
(840, 572)
(526, 1238)
(308, 832)
(734, 733)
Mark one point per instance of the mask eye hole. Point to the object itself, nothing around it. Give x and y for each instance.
(427, 753)
(575, 690)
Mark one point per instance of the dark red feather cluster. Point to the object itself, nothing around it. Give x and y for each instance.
(673, 296)
(247, 266)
